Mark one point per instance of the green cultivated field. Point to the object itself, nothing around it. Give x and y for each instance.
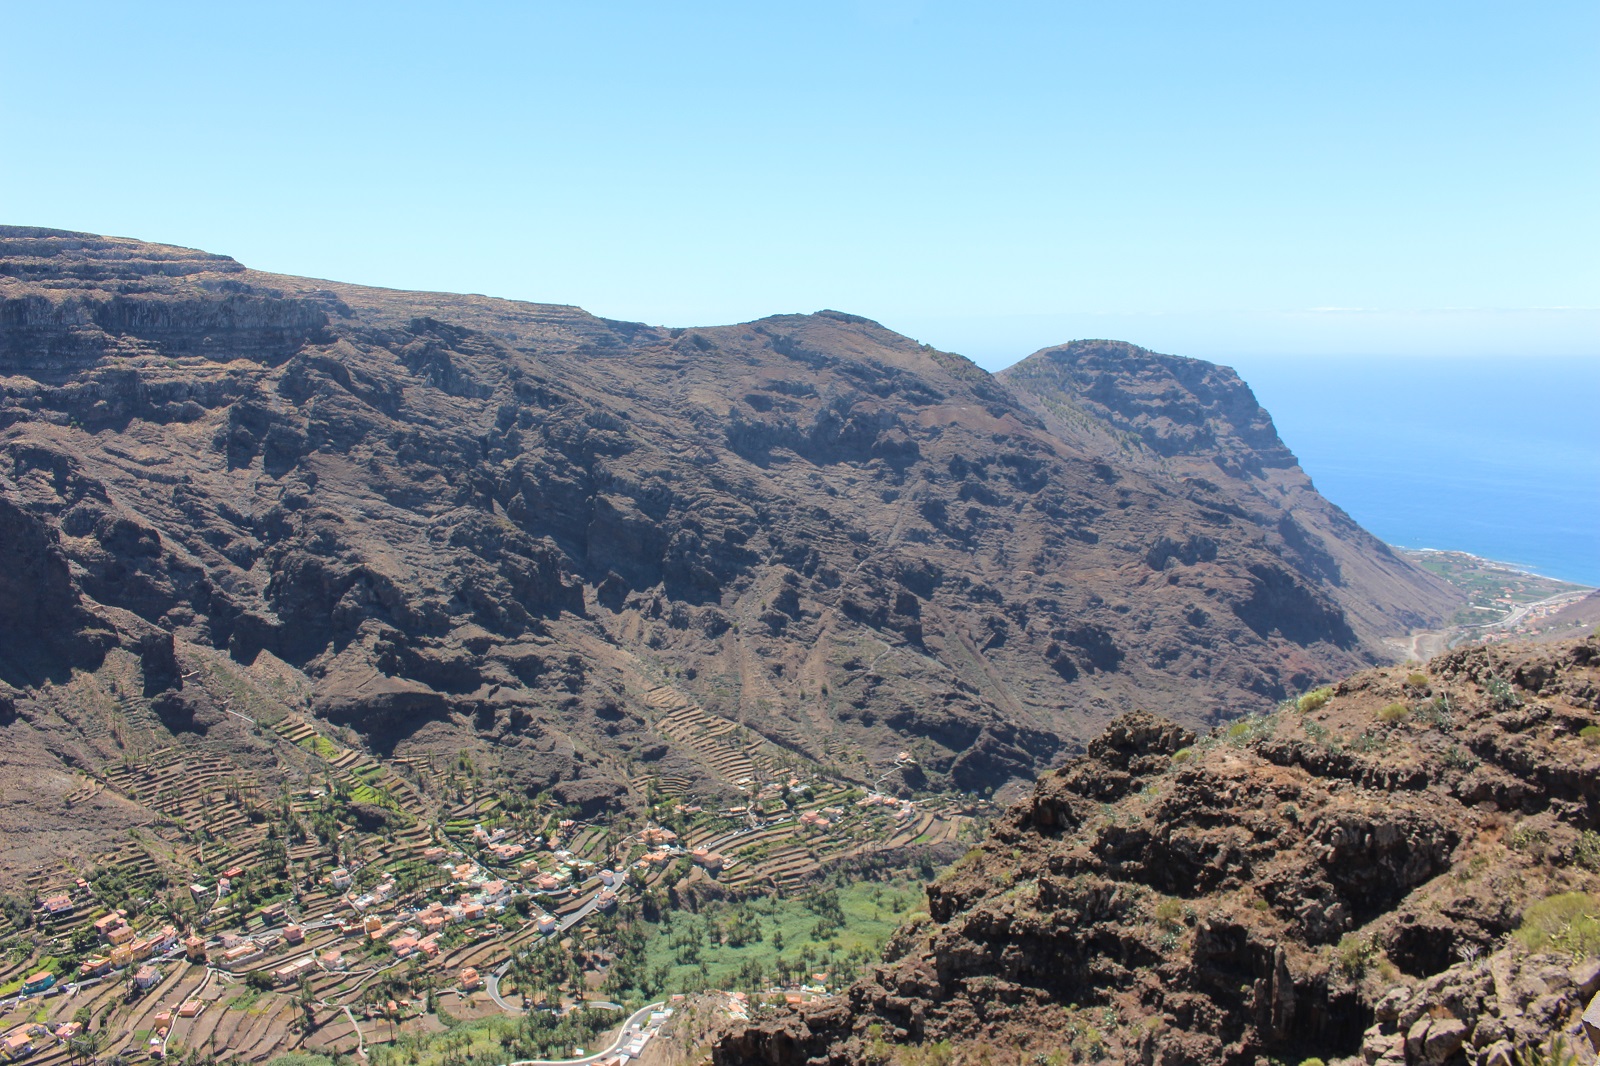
(753, 944)
(1493, 588)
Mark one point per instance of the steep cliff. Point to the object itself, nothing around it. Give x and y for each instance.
(1200, 425)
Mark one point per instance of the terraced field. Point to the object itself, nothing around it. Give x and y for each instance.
(209, 818)
(718, 741)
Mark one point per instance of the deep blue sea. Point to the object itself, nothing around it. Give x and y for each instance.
(1497, 457)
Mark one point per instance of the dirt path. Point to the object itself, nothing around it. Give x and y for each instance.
(1421, 645)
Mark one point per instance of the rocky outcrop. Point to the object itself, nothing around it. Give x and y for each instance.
(1401, 872)
(45, 628)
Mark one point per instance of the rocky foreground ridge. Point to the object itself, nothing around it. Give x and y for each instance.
(593, 555)
(1398, 869)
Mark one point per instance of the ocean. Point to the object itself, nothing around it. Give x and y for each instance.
(1496, 457)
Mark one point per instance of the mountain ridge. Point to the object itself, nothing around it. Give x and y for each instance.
(479, 525)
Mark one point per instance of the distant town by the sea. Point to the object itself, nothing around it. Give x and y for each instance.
(1499, 458)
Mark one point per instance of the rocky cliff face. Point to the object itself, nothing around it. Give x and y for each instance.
(1198, 424)
(535, 535)
(1390, 874)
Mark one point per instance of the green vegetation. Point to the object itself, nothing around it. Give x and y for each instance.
(1355, 953)
(1502, 697)
(372, 819)
(1587, 851)
(1395, 712)
(1169, 913)
(321, 747)
(541, 1034)
(1590, 735)
(937, 1053)
(1438, 713)
(1492, 588)
(1528, 837)
(1568, 922)
(1248, 730)
(1555, 1053)
(751, 944)
(1314, 700)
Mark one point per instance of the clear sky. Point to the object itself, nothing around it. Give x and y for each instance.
(1212, 179)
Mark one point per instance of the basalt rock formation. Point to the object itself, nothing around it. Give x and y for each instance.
(1399, 869)
(457, 523)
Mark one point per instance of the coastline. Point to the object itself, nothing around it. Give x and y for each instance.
(1527, 569)
(1503, 601)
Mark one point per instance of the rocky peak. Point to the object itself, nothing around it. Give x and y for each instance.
(1198, 425)
(1173, 405)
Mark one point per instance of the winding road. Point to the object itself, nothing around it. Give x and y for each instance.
(630, 1029)
(491, 984)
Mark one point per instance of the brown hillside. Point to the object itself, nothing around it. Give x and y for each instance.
(1199, 424)
(585, 551)
(1386, 874)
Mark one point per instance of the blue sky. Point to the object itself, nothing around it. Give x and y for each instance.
(1212, 179)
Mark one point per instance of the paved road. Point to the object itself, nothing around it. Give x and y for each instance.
(1424, 645)
(1519, 613)
(491, 984)
(629, 1029)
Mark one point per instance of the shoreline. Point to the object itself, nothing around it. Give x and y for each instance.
(1495, 564)
(1501, 601)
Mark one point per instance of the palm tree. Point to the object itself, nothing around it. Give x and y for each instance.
(307, 1001)
(85, 1045)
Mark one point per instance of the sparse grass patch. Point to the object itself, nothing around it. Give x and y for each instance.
(1249, 730)
(1169, 913)
(1395, 712)
(1417, 680)
(1555, 1053)
(1355, 953)
(1502, 697)
(1568, 922)
(1590, 735)
(1587, 851)
(1314, 700)
(1438, 712)
(1527, 837)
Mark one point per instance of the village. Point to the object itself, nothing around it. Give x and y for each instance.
(341, 918)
